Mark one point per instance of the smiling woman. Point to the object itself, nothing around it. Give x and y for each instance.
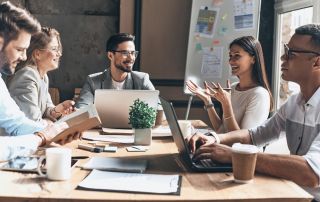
(250, 100)
(29, 85)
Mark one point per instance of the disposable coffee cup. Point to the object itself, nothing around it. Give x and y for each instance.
(244, 159)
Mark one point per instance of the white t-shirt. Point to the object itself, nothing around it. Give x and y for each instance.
(250, 107)
(117, 85)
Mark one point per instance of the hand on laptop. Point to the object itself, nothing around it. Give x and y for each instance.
(216, 152)
(199, 139)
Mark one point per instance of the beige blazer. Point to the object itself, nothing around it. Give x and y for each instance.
(25, 88)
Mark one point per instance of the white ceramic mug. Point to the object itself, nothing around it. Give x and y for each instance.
(58, 163)
(185, 127)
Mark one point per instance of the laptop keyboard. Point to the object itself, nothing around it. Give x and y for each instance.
(206, 163)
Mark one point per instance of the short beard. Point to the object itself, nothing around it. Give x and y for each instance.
(6, 70)
(120, 67)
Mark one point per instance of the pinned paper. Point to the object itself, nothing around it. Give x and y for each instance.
(217, 2)
(197, 37)
(198, 47)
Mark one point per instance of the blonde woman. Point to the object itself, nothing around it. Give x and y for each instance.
(29, 85)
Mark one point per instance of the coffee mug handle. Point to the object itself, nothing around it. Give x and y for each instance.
(42, 158)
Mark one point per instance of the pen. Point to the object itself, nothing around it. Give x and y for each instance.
(135, 147)
(90, 148)
(79, 157)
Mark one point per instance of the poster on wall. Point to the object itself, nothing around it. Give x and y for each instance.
(243, 14)
(206, 21)
(212, 62)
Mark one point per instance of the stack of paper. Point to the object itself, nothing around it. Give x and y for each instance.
(132, 182)
(161, 131)
(116, 164)
(125, 139)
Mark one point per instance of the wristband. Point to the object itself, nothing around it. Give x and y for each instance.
(43, 138)
(229, 117)
(215, 136)
(205, 107)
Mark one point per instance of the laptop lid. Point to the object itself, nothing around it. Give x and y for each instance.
(113, 105)
(181, 143)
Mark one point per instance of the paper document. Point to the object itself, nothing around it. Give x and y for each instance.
(161, 131)
(127, 139)
(117, 131)
(132, 182)
(116, 164)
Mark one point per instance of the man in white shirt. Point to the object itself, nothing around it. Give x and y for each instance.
(299, 117)
(16, 28)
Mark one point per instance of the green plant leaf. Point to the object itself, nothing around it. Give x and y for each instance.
(141, 115)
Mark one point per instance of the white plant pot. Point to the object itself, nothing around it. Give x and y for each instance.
(142, 136)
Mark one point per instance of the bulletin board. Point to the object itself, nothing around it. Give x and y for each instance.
(213, 25)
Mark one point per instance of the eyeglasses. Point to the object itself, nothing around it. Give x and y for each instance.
(125, 53)
(53, 49)
(288, 52)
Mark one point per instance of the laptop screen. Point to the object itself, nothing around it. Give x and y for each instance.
(113, 105)
(175, 128)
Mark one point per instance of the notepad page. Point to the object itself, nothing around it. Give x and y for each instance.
(133, 182)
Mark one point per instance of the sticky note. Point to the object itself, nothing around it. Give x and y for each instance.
(215, 42)
(110, 148)
(198, 47)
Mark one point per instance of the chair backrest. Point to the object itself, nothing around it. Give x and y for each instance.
(55, 95)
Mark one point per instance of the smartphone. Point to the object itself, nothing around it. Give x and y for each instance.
(26, 164)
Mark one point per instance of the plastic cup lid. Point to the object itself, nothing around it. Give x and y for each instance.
(244, 148)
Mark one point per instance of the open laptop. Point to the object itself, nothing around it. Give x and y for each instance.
(203, 166)
(113, 105)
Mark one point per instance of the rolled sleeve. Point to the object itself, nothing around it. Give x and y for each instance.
(313, 157)
(267, 132)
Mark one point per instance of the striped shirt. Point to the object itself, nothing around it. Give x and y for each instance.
(301, 122)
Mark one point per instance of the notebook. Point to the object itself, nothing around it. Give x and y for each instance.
(203, 166)
(113, 105)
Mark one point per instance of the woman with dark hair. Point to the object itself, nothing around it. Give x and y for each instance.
(29, 85)
(250, 100)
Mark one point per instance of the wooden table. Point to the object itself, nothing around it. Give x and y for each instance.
(162, 158)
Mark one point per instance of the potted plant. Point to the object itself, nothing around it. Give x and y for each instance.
(142, 118)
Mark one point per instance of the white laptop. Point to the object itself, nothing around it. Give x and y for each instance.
(113, 105)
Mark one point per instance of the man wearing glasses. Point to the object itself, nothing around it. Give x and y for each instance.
(122, 54)
(299, 117)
